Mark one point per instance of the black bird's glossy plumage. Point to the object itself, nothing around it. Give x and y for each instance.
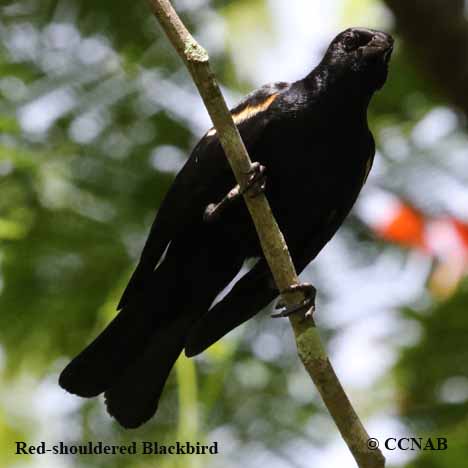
(313, 138)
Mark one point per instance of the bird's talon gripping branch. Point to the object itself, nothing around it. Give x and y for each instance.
(213, 210)
(307, 306)
(255, 185)
(210, 212)
(257, 180)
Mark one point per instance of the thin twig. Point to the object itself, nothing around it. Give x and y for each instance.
(309, 345)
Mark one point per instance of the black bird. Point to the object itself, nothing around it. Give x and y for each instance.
(313, 138)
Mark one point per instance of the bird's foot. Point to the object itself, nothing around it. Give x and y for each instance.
(255, 185)
(307, 306)
(257, 180)
(213, 210)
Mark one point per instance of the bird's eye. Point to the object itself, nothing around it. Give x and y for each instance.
(350, 42)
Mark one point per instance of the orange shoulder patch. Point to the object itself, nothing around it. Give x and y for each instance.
(248, 111)
(251, 110)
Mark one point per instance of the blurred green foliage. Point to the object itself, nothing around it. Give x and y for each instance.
(433, 377)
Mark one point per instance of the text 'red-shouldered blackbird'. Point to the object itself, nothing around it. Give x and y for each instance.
(313, 138)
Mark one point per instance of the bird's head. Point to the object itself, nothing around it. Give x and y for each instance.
(360, 55)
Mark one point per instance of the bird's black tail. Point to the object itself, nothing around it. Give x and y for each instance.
(134, 398)
(131, 359)
(99, 365)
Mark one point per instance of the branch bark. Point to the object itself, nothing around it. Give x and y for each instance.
(437, 32)
(309, 344)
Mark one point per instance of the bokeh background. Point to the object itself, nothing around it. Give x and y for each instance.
(97, 114)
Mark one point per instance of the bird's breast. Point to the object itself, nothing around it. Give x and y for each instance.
(316, 174)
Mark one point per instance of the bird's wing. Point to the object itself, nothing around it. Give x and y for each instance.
(313, 244)
(252, 293)
(205, 178)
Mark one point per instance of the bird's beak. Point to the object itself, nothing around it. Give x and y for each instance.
(380, 46)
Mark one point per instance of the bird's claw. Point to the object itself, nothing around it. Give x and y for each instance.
(255, 185)
(257, 180)
(307, 305)
(213, 210)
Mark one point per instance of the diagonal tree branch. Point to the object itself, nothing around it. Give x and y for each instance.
(309, 345)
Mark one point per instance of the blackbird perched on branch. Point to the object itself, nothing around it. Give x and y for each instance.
(313, 139)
